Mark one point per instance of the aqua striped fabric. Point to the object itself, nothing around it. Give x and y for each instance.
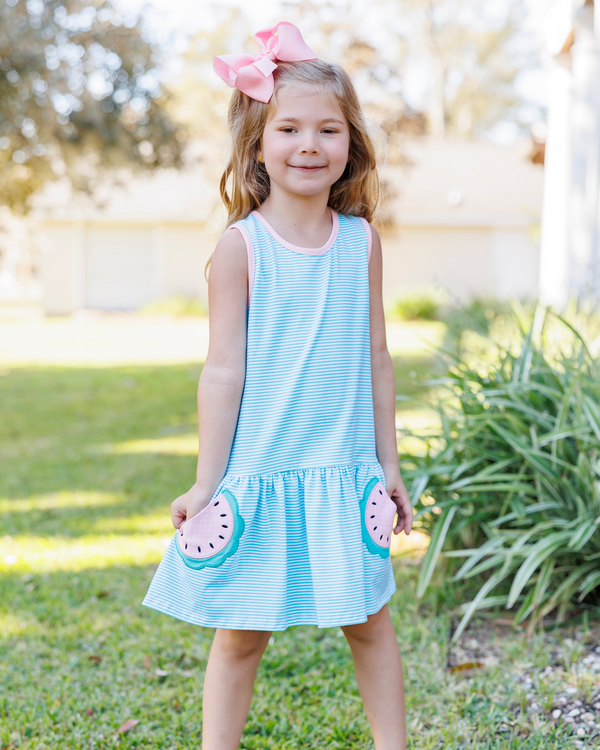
(303, 451)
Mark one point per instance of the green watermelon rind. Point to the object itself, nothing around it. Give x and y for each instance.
(231, 546)
(374, 548)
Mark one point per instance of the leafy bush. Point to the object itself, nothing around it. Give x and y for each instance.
(177, 307)
(478, 315)
(421, 304)
(510, 481)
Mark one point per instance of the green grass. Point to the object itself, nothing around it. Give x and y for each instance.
(91, 460)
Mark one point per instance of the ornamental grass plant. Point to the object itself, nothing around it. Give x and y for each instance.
(508, 483)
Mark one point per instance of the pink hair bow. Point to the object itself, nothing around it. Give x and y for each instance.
(254, 75)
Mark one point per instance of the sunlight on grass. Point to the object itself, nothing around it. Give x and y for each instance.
(177, 445)
(62, 499)
(155, 523)
(116, 339)
(37, 554)
(414, 545)
(12, 625)
(120, 339)
(417, 337)
(420, 421)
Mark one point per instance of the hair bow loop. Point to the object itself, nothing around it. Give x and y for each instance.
(254, 75)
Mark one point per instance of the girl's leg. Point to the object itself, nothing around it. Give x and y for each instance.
(228, 686)
(378, 668)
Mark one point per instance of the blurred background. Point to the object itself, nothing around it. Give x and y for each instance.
(113, 139)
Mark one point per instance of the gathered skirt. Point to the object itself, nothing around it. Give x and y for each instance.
(302, 554)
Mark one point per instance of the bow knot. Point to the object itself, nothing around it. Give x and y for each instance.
(254, 75)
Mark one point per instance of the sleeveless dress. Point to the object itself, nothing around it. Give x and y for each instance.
(298, 545)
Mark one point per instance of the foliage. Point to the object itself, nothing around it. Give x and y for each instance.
(420, 304)
(80, 92)
(478, 315)
(511, 479)
(471, 51)
(474, 59)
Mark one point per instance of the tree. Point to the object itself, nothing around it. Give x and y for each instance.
(80, 94)
(463, 58)
(473, 59)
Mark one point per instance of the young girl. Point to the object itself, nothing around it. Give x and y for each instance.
(289, 521)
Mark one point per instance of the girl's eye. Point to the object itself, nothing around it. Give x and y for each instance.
(292, 130)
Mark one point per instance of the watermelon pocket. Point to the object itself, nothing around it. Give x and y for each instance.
(211, 536)
(377, 511)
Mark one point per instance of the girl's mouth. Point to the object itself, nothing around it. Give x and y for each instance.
(308, 169)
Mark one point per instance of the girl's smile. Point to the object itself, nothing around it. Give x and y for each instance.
(307, 169)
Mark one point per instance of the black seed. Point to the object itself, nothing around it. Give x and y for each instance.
(374, 528)
(371, 516)
(381, 537)
(388, 539)
(221, 537)
(224, 526)
(380, 492)
(186, 546)
(218, 501)
(181, 534)
(373, 503)
(212, 545)
(223, 515)
(199, 550)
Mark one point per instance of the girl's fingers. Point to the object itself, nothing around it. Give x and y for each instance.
(178, 516)
(405, 513)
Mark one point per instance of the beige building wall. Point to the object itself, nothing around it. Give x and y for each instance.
(466, 262)
(186, 248)
(125, 265)
(61, 267)
(121, 265)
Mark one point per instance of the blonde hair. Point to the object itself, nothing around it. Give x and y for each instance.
(357, 190)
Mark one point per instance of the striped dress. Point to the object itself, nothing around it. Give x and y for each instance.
(286, 539)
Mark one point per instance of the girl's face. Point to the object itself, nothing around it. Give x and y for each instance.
(305, 143)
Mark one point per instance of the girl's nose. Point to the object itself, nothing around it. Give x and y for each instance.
(309, 146)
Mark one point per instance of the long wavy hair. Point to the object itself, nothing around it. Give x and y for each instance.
(245, 183)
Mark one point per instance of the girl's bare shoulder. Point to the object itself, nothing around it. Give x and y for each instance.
(231, 243)
(229, 259)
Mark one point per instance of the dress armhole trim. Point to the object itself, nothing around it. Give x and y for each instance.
(369, 237)
(250, 253)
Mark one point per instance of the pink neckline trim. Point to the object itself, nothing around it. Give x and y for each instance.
(335, 223)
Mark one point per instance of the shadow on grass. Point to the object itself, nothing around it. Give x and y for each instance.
(56, 419)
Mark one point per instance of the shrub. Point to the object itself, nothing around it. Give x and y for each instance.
(510, 481)
(421, 304)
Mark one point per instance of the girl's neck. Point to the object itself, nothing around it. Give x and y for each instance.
(301, 220)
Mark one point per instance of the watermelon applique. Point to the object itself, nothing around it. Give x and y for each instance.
(213, 535)
(377, 518)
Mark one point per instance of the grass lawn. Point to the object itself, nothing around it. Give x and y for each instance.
(91, 458)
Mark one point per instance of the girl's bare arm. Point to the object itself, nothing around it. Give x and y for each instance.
(222, 378)
(384, 393)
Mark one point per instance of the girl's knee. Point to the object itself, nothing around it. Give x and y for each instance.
(242, 644)
(376, 628)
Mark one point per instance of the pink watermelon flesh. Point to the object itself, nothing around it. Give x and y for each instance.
(379, 516)
(208, 532)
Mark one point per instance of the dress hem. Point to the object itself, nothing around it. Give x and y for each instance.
(385, 598)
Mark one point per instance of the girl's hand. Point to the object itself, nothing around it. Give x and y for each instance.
(188, 505)
(397, 492)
